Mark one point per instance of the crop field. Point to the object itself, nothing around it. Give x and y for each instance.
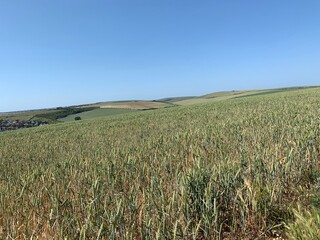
(243, 168)
(221, 96)
(138, 105)
(25, 115)
(176, 99)
(218, 96)
(99, 112)
(48, 115)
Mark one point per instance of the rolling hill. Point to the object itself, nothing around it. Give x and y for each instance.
(90, 111)
(239, 168)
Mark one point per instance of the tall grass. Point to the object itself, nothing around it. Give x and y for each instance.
(306, 225)
(227, 170)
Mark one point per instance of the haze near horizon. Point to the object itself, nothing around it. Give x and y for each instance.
(58, 53)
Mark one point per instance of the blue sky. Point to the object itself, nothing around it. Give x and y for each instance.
(64, 52)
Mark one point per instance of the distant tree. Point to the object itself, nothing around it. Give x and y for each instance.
(77, 118)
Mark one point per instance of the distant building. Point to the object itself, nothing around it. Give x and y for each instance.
(6, 125)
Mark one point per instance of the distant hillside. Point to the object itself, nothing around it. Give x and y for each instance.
(224, 95)
(137, 105)
(175, 99)
(93, 110)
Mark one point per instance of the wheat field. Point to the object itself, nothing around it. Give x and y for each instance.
(246, 168)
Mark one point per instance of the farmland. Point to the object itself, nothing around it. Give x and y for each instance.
(239, 168)
(87, 111)
(46, 115)
(25, 115)
(100, 112)
(115, 108)
(138, 105)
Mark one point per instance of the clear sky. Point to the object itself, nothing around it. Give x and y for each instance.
(64, 52)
